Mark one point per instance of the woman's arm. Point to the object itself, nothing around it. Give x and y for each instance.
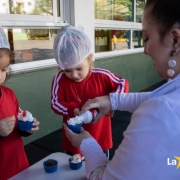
(115, 101)
(127, 101)
(150, 139)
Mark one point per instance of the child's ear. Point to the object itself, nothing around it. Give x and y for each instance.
(90, 60)
(90, 56)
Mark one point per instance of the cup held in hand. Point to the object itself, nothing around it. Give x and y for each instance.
(75, 128)
(25, 126)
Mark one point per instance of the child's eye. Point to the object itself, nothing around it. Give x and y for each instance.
(66, 70)
(79, 69)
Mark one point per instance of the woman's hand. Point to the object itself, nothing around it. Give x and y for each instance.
(7, 125)
(35, 126)
(76, 139)
(102, 103)
(110, 114)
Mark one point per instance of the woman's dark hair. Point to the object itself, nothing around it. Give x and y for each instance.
(165, 12)
(5, 51)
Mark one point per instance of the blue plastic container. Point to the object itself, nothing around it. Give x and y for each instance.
(50, 165)
(75, 128)
(75, 166)
(25, 126)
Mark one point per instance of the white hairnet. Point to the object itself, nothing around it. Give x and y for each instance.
(3, 40)
(71, 47)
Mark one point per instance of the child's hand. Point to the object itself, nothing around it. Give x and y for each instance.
(7, 126)
(35, 126)
(76, 112)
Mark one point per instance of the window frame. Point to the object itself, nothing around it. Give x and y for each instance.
(24, 21)
(118, 25)
(21, 20)
(34, 22)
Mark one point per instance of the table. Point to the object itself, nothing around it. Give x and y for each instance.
(64, 172)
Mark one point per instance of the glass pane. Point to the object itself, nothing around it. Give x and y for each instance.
(112, 40)
(139, 10)
(28, 7)
(31, 44)
(116, 40)
(137, 39)
(120, 10)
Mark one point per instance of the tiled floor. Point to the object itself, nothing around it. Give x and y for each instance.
(52, 142)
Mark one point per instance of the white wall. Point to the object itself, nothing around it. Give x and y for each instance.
(83, 15)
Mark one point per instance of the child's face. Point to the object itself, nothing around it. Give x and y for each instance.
(4, 63)
(79, 72)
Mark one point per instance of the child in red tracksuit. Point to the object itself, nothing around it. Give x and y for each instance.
(78, 81)
(12, 155)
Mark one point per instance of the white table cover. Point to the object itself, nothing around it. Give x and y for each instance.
(64, 172)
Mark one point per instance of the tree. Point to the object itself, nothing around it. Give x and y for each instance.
(43, 7)
(123, 10)
(113, 9)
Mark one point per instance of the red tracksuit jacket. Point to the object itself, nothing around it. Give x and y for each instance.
(12, 155)
(64, 99)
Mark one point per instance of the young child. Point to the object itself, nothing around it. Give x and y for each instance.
(78, 81)
(114, 40)
(12, 155)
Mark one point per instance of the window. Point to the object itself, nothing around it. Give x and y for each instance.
(119, 10)
(137, 39)
(139, 10)
(31, 44)
(104, 40)
(38, 7)
(121, 18)
(29, 3)
(31, 26)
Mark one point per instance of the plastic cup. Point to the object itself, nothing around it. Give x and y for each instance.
(50, 165)
(25, 126)
(75, 128)
(75, 166)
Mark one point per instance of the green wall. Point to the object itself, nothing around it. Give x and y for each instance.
(33, 88)
(137, 68)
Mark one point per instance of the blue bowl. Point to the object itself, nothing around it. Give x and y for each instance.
(25, 126)
(75, 128)
(75, 166)
(50, 165)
